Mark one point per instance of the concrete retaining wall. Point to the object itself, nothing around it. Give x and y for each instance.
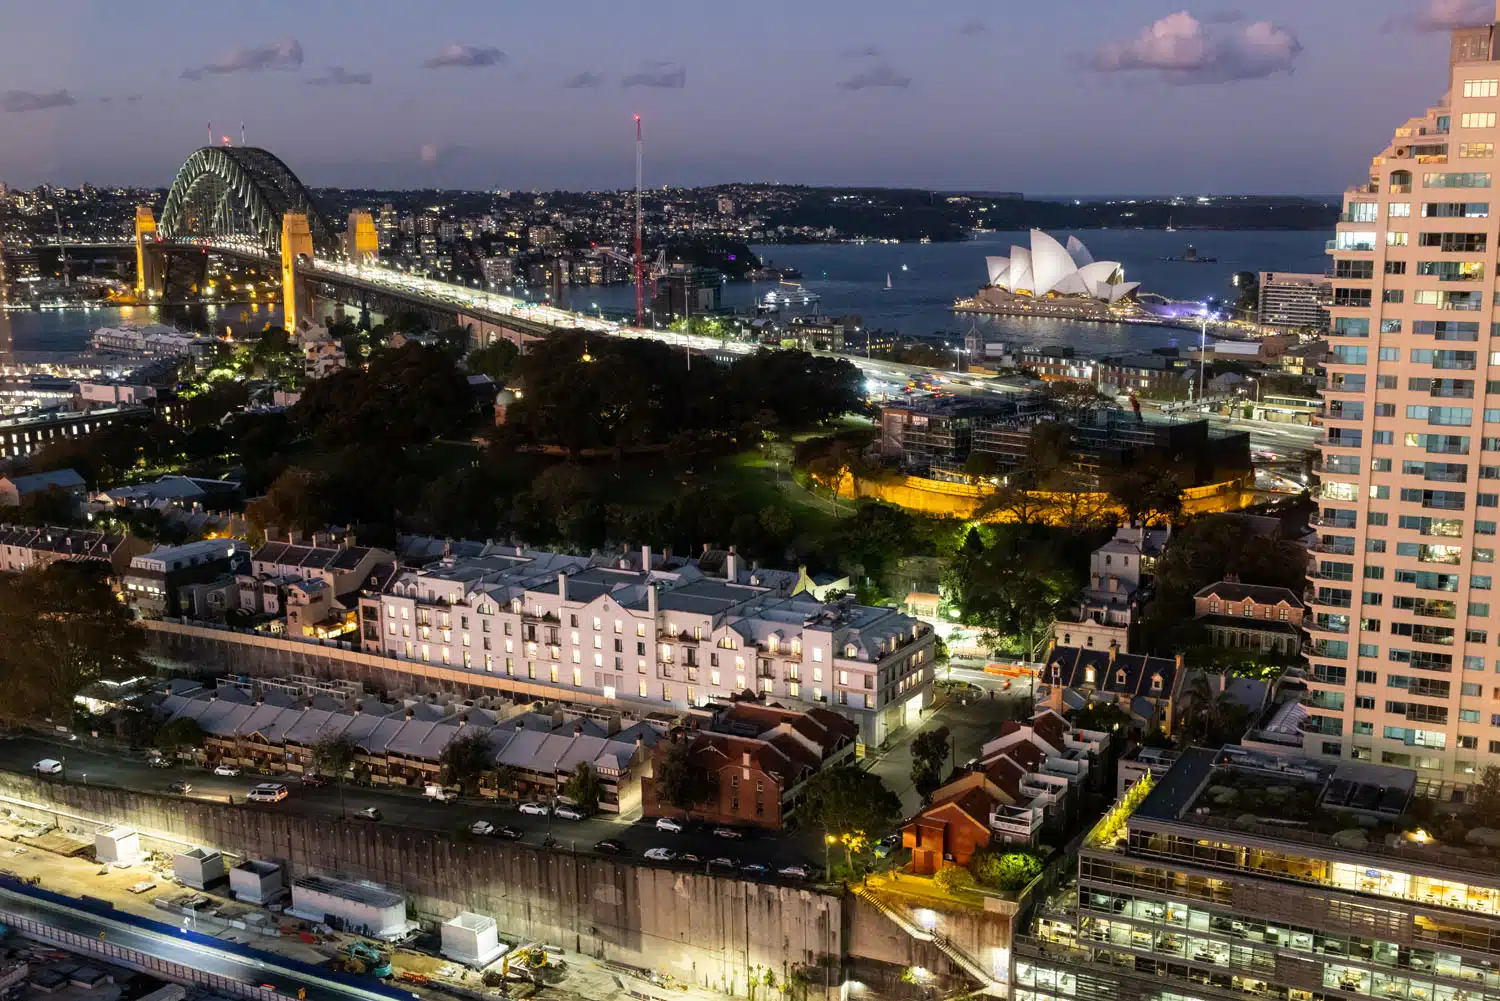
(707, 930)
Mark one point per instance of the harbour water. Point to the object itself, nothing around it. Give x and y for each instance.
(927, 278)
(56, 334)
(851, 279)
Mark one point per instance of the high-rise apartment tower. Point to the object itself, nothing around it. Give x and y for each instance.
(1405, 615)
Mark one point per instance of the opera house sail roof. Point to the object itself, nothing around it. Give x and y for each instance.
(1049, 268)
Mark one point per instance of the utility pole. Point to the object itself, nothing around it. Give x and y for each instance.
(640, 264)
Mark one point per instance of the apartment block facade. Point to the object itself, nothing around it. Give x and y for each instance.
(644, 628)
(1403, 618)
(1174, 900)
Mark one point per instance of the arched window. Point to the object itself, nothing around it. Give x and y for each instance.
(1156, 682)
(1120, 677)
(1088, 675)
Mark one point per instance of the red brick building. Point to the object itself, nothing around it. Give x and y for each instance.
(760, 757)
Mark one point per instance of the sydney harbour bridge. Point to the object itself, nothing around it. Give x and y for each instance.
(244, 203)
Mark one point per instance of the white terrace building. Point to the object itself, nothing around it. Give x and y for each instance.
(645, 628)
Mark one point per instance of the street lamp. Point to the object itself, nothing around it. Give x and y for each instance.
(1202, 350)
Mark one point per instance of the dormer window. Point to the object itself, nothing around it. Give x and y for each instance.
(1156, 682)
(1249, 607)
(1120, 677)
(1213, 605)
(772, 643)
(796, 648)
(1088, 675)
(849, 649)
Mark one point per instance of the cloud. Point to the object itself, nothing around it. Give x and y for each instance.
(973, 28)
(465, 56)
(668, 76)
(586, 80)
(337, 76)
(283, 55)
(1444, 15)
(1184, 51)
(27, 100)
(879, 75)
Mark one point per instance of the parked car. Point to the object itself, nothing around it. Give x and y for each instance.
(267, 792)
(727, 863)
(568, 812)
(369, 813)
(535, 809)
(482, 827)
(609, 846)
(48, 766)
(794, 871)
(509, 833)
(728, 832)
(314, 781)
(180, 788)
(690, 858)
(660, 854)
(754, 867)
(669, 825)
(157, 761)
(228, 771)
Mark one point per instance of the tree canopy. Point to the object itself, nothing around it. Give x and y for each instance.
(584, 787)
(583, 392)
(680, 781)
(406, 396)
(1206, 551)
(850, 801)
(61, 628)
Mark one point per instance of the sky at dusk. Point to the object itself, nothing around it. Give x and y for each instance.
(1061, 97)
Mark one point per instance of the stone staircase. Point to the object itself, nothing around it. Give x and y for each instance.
(988, 984)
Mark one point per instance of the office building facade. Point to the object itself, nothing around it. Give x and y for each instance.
(1187, 892)
(1404, 620)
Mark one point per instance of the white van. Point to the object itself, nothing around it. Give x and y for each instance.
(267, 792)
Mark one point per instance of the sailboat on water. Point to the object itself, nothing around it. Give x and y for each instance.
(1170, 227)
(888, 285)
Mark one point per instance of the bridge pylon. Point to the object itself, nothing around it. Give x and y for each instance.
(296, 241)
(148, 263)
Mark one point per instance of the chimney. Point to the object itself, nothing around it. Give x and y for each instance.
(646, 558)
(410, 713)
(651, 603)
(578, 729)
(666, 551)
(1114, 650)
(349, 540)
(1179, 662)
(562, 586)
(732, 566)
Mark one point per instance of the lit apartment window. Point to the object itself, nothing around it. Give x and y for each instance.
(739, 682)
(596, 624)
(577, 677)
(1477, 120)
(817, 674)
(713, 678)
(817, 655)
(640, 629)
(793, 689)
(552, 672)
(666, 693)
(598, 643)
(619, 626)
(390, 611)
(643, 688)
(843, 677)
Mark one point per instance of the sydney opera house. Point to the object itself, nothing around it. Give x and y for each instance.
(1049, 279)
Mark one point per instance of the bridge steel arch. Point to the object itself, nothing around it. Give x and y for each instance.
(240, 191)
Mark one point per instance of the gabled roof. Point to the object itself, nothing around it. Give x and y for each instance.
(1127, 674)
(1261, 594)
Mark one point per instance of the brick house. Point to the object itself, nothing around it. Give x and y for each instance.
(1252, 616)
(761, 756)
